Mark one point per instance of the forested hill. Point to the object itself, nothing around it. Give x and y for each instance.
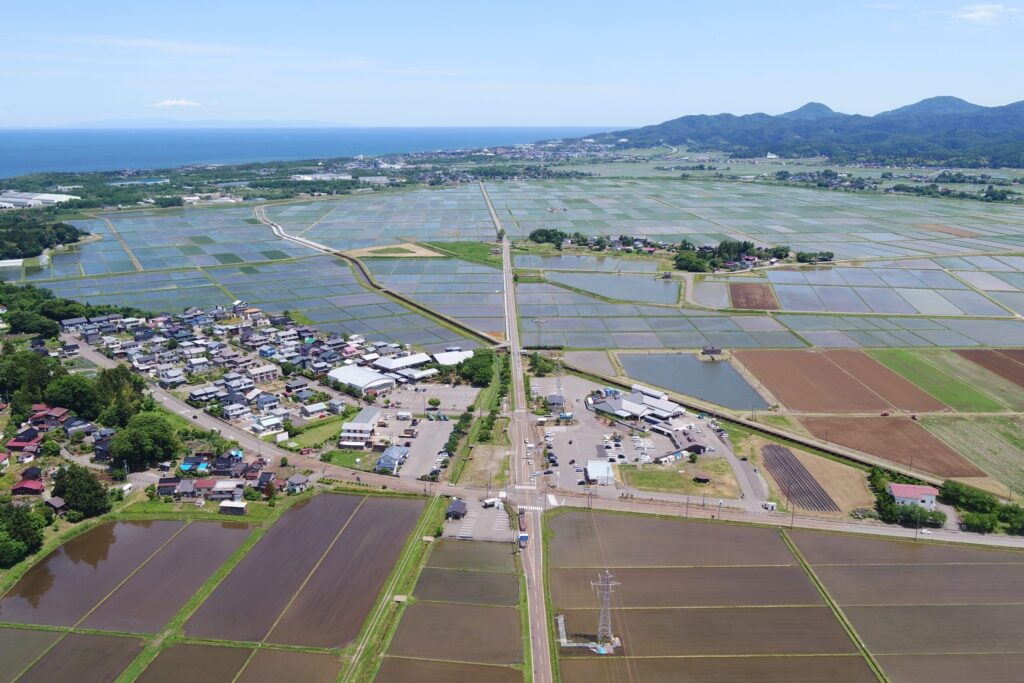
(26, 233)
(938, 130)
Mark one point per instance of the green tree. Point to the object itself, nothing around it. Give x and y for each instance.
(434, 402)
(12, 551)
(251, 493)
(691, 262)
(77, 393)
(21, 526)
(148, 438)
(81, 490)
(50, 448)
(979, 522)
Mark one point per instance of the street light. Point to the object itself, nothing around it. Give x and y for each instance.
(719, 508)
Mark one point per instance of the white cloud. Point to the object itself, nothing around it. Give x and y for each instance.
(175, 103)
(983, 14)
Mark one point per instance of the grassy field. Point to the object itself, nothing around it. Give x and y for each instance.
(995, 444)
(953, 392)
(323, 430)
(669, 479)
(999, 388)
(347, 458)
(469, 251)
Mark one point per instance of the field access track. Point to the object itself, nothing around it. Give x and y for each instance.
(797, 484)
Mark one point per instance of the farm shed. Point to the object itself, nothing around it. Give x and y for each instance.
(233, 507)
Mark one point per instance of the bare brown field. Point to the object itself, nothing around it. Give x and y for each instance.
(67, 583)
(19, 648)
(990, 668)
(287, 552)
(824, 548)
(947, 230)
(331, 608)
(1008, 364)
(753, 295)
(896, 439)
(924, 584)
(84, 658)
(899, 392)
(812, 669)
(182, 565)
(477, 556)
(460, 633)
(687, 587)
(401, 670)
(274, 666)
(807, 381)
(473, 588)
(209, 662)
(584, 539)
(719, 631)
(939, 629)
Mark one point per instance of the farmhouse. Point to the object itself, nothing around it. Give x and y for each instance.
(297, 483)
(27, 487)
(912, 494)
(363, 380)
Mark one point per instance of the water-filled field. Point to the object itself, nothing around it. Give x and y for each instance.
(716, 382)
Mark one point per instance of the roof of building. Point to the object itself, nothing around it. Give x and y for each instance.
(452, 357)
(457, 506)
(600, 470)
(400, 362)
(911, 490)
(361, 378)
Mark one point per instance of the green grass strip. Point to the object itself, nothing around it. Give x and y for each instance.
(946, 388)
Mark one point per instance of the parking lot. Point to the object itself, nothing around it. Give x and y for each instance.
(480, 523)
(454, 399)
(424, 448)
(584, 440)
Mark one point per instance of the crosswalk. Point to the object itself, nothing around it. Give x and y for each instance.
(526, 487)
(532, 508)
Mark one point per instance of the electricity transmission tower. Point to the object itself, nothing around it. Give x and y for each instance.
(605, 586)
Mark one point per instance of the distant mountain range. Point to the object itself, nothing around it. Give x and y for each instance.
(938, 130)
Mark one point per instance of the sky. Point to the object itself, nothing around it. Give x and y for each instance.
(524, 63)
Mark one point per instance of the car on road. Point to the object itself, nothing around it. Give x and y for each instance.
(195, 417)
(549, 471)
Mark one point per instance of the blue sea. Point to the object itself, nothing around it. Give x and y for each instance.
(35, 151)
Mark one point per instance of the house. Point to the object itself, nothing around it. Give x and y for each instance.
(236, 411)
(101, 446)
(363, 380)
(314, 410)
(171, 377)
(391, 459)
(456, 510)
(336, 406)
(263, 373)
(359, 431)
(304, 395)
(186, 489)
(203, 487)
(77, 425)
(297, 483)
(233, 507)
(32, 474)
(167, 486)
(227, 489)
(295, 384)
(57, 504)
(5, 462)
(27, 487)
(913, 494)
(266, 402)
(30, 436)
(267, 424)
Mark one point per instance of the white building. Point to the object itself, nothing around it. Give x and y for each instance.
(264, 373)
(912, 494)
(393, 363)
(601, 472)
(363, 380)
(447, 358)
(356, 433)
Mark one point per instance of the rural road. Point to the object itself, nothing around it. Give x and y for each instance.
(522, 489)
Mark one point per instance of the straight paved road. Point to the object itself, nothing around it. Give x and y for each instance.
(533, 554)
